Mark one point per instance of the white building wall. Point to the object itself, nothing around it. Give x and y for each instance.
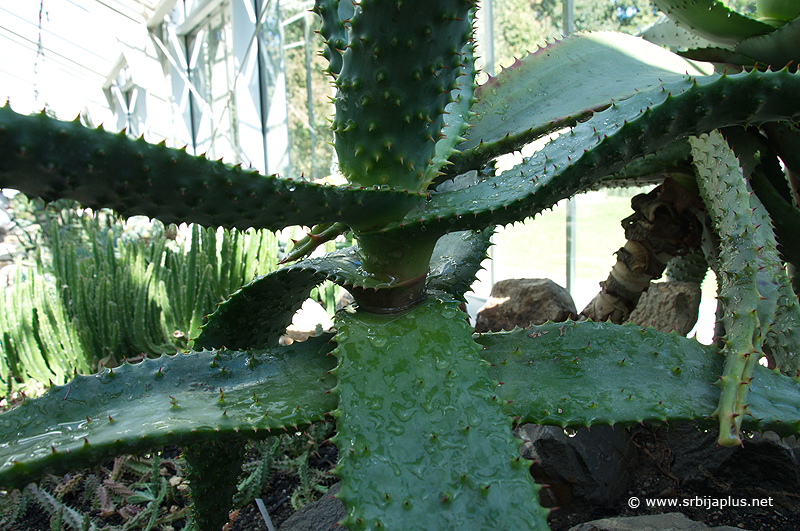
(61, 62)
(206, 74)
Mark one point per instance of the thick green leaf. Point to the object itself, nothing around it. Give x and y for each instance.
(456, 116)
(767, 178)
(601, 373)
(423, 441)
(669, 34)
(213, 469)
(749, 272)
(760, 310)
(712, 20)
(334, 31)
(784, 214)
(586, 71)
(653, 168)
(777, 11)
(182, 399)
(642, 124)
(51, 159)
(718, 55)
(777, 49)
(580, 374)
(400, 67)
(456, 259)
(257, 315)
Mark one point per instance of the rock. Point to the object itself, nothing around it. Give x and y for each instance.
(322, 515)
(344, 299)
(7, 252)
(523, 302)
(652, 522)
(8, 274)
(591, 466)
(310, 320)
(667, 306)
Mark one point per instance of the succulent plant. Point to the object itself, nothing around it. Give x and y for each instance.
(423, 408)
(710, 31)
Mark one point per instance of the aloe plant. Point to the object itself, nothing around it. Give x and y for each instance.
(710, 31)
(423, 408)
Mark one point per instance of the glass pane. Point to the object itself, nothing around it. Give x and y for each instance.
(210, 64)
(308, 95)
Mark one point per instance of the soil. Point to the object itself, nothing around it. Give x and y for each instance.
(276, 497)
(653, 478)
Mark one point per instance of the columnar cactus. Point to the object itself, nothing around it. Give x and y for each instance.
(424, 409)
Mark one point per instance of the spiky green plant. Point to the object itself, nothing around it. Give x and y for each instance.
(109, 297)
(423, 408)
(709, 31)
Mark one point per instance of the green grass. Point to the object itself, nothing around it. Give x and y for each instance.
(540, 243)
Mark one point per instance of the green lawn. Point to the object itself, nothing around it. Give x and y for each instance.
(540, 243)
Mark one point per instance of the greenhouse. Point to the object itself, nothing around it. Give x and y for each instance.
(392, 264)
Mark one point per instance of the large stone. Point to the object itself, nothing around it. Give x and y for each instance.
(7, 252)
(652, 522)
(321, 515)
(586, 466)
(523, 302)
(344, 299)
(668, 306)
(8, 274)
(310, 320)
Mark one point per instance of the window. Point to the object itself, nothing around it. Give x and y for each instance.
(247, 84)
(127, 101)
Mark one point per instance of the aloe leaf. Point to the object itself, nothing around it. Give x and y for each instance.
(751, 275)
(256, 315)
(777, 11)
(712, 20)
(456, 259)
(213, 469)
(46, 158)
(654, 167)
(395, 82)
(755, 153)
(318, 235)
(666, 32)
(421, 433)
(603, 373)
(777, 49)
(606, 143)
(587, 71)
(456, 116)
(782, 338)
(766, 177)
(180, 400)
(334, 31)
(785, 216)
(718, 55)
